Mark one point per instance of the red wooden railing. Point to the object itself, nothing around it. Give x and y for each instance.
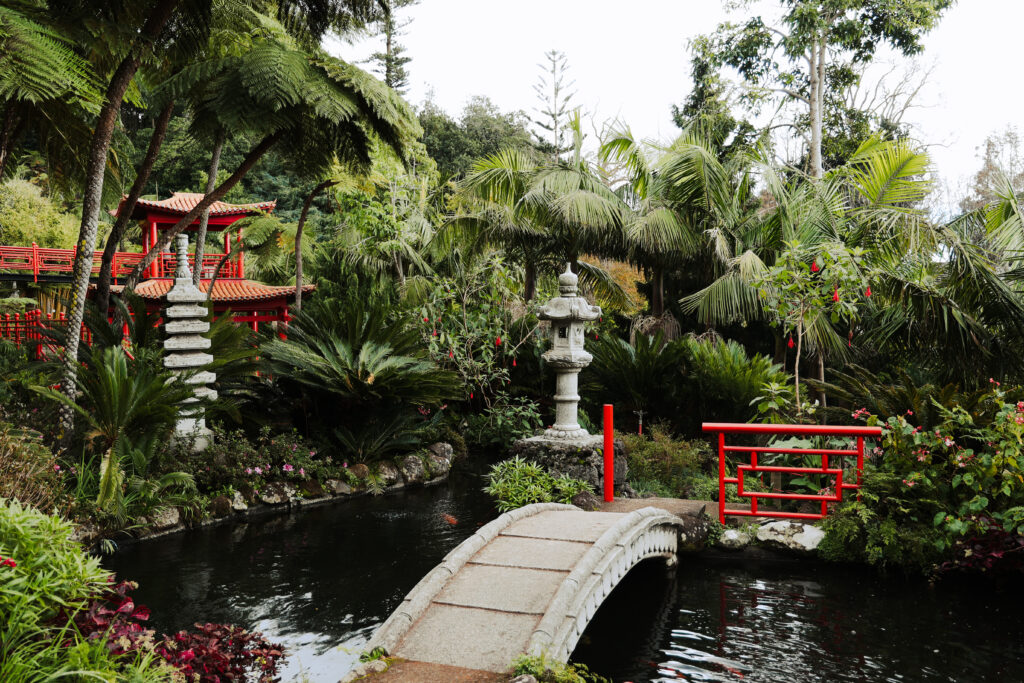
(34, 329)
(829, 468)
(42, 262)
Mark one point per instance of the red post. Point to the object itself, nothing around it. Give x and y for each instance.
(609, 453)
(35, 262)
(721, 477)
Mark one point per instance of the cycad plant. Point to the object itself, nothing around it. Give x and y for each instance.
(360, 374)
(126, 406)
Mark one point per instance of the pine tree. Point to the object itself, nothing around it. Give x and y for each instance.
(555, 95)
(391, 62)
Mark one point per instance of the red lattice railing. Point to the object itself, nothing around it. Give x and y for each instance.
(832, 465)
(41, 262)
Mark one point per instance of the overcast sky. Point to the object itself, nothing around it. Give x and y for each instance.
(630, 60)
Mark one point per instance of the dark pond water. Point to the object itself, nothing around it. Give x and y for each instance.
(321, 581)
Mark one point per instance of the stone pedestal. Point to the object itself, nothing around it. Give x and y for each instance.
(186, 348)
(579, 458)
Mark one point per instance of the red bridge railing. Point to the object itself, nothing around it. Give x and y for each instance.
(832, 462)
(41, 261)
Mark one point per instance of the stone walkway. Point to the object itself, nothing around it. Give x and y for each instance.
(677, 506)
(423, 672)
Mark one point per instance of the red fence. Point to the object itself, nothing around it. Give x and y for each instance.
(44, 333)
(42, 262)
(828, 468)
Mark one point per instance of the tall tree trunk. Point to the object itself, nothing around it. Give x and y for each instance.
(86, 245)
(817, 96)
(796, 366)
(658, 292)
(7, 136)
(530, 286)
(204, 220)
(250, 160)
(298, 238)
(156, 141)
(822, 398)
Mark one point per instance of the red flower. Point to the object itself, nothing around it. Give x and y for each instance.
(791, 343)
(513, 362)
(868, 291)
(426, 319)
(497, 342)
(435, 333)
(451, 354)
(814, 266)
(471, 394)
(835, 294)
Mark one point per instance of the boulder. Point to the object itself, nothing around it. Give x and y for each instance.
(238, 503)
(338, 487)
(734, 539)
(442, 450)
(85, 533)
(166, 518)
(582, 459)
(221, 506)
(360, 471)
(792, 535)
(525, 678)
(274, 494)
(389, 474)
(249, 494)
(364, 670)
(311, 488)
(413, 471)
(585, 500)
(440, 465)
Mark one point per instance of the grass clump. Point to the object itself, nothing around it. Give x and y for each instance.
(549, 671)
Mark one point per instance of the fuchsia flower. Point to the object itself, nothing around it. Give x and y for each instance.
(791, 343)
(814, 267)
(8, 563)
(287, 468)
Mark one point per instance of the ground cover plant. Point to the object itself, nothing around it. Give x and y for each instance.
(516, 482)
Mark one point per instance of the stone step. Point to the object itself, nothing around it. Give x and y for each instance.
(185, 311)
(186, 342)
(505, 589)
(564, 525)
(187, 326)
(187, 360)
(531, 553)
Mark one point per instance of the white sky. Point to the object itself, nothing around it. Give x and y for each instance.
(630, 60)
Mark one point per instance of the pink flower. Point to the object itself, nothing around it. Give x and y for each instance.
(258, 470)
(302, 471)
(312, 453)
(287, 468)
(909, 483)
(910, 412)
(248, 470)
(345, 464)
(56, 468)
(293, 447)
(1020, 406)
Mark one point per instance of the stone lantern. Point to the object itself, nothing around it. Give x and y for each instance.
(567, 314)
(566, 448)
(186, 347)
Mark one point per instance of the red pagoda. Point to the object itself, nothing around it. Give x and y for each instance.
(249, 302)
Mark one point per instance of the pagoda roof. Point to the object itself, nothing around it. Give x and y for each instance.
(180, 203)
(227, 290)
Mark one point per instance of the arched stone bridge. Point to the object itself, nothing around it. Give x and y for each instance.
(528, 582)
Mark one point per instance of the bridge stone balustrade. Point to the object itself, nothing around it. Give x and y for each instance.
(528, 582)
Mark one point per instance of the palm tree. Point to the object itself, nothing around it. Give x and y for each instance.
(547, 212)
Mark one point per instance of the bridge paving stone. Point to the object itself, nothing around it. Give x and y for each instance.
(467, 637)
(564, 525)
(506, 589)
(534, 553)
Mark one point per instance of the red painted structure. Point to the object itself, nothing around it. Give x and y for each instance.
(248, 302)
(609, 453)
(833, 468)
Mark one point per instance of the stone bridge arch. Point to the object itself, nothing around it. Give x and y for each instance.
(528, 582)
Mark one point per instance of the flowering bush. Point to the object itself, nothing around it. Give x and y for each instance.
(232, 460)
(958, 487)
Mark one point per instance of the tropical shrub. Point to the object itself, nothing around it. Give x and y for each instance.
(517, 482)
(501, 424)
(361, 376)
(647, 375)
(723, 381)
(954, 492)
(29, 473)
(660, 464)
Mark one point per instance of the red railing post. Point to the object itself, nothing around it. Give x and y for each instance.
(609, 453)
(35, 262)
(721, 477)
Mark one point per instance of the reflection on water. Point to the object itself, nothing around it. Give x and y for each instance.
(320, 582)
(793, 623)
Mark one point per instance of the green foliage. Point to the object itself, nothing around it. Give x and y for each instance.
(549, 671)
(26, 216)
(28, 471)
(517, 482)
(502, 423)
(929, 494)
(482, 130)
(660, 464)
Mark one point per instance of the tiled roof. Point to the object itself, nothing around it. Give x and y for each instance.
(181, 203)
(223, 290)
